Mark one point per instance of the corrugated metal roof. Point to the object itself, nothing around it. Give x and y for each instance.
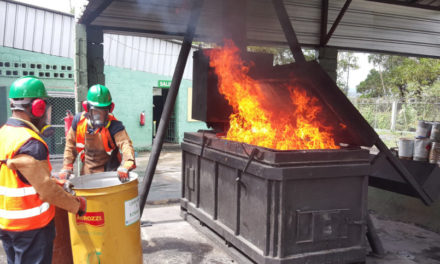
(426, 4)
(367, 25)
(143, 54)
(38, 30)
(49, 32)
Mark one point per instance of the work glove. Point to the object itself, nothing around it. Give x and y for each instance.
(82, 205)
(66, 172)
(123, 171)
(66, 185)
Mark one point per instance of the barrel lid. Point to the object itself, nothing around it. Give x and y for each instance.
(100, 180)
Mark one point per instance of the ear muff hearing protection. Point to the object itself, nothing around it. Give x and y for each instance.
(38, 107)
(85, 105)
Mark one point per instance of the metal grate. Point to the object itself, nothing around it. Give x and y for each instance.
(57, 142)
(171, 130)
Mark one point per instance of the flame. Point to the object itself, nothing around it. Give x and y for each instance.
(279, 116)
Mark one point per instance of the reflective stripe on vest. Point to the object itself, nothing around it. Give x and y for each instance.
(17, 192)
(81, 129)
(21, 208)
(28, 213)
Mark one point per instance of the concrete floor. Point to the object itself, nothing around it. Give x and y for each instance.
(172, 240)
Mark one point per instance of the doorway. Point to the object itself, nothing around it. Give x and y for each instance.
(159, 97)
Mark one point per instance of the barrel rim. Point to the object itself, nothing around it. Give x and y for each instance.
(79, 181)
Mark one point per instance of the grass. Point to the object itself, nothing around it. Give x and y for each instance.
(391, 138)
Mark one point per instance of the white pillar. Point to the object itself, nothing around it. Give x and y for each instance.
(394, 115)
(80, 66)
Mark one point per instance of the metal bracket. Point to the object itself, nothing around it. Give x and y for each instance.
(251, 157)
(205, 142)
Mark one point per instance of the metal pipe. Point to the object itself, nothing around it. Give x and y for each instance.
(295, 48)
(171, 99)
(373, 238)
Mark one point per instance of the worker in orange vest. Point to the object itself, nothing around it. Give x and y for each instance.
(99, 138)
(28, 194)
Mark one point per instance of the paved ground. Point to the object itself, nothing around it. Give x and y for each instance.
(172, 240)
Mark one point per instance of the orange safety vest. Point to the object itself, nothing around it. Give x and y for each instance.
(107, 140)
(21, 208)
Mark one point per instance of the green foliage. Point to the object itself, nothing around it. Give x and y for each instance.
(368, 87)
(398, 76)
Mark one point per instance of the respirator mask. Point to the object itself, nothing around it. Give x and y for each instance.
(98, 116)
(39, 111)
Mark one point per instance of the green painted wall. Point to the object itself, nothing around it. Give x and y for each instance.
(132, 91)
(55, 72)
(183, 124)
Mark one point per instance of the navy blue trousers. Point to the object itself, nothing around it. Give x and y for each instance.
(34, 246)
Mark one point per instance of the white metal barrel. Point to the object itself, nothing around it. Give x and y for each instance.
(421, 149)
(434, 153)
(435, 132)
(423, 129)
(406, 148)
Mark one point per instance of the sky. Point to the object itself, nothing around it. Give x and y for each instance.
(356, 76)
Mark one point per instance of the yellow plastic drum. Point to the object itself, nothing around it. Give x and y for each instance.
(110, 230)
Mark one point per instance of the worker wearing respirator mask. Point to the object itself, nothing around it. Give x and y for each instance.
(99, 138)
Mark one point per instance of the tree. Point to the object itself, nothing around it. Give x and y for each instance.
(369, 87)
(401, 77)
(346, 62)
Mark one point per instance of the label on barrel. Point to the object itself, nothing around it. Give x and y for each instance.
(91, 218)
(132, 213)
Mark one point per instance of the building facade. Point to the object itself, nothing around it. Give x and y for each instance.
(39, 42)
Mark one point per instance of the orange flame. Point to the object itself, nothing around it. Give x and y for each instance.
(279, 116)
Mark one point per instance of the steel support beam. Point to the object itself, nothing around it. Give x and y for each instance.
(408, 4)
(171, 99)
(291, 38)
(336, 23)
(89, 18)
(406, 175)
(324, 21)
(95, 56)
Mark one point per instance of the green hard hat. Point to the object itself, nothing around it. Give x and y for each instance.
(27, 87)
(99, 96)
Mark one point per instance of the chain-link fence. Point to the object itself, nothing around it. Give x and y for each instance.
(57, 142)
(397, 115)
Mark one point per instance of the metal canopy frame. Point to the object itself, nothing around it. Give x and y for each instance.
(353, 32)
(330, 94)
(325, 37)
(430, 5)
(170, 101)
(101, 7)
(340, 104)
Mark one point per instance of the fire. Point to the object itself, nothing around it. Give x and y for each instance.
(279, 116)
